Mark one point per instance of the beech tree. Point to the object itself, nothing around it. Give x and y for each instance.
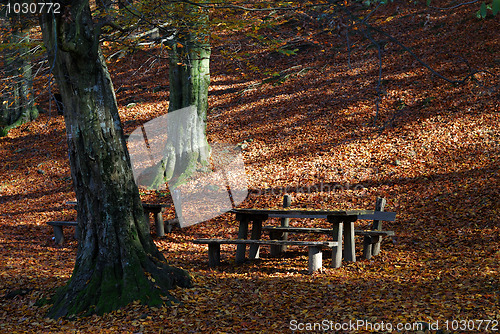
(117, 261)
(186, 36)
(189, 78)
(17, 98)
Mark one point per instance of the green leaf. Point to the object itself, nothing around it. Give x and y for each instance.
(288, 52)
(482, 11)
(495, 7)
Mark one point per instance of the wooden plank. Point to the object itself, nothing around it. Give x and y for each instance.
(329, 244)
(148, 206)
(374, 233)
(322, 230)
(292, 212)
(62, 223)
(318, 214)
(298, 229)
(385, 216)
(314, 249)
(151, 207)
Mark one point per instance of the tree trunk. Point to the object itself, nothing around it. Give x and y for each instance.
(189, 78)
(117, 261)
(18, 103)
(186, 148)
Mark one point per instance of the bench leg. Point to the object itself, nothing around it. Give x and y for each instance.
(213, 255)
(367, 247)
(58, 234)
(371, 246)
(315, 259)
(276, 250)
(376, 245)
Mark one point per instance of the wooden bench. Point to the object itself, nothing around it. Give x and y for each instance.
(315, 254)
(372, 237)
(58, 231)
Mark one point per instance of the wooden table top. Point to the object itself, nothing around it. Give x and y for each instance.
(308, 213)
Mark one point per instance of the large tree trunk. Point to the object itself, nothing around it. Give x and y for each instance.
(117, 261)
(18, 102)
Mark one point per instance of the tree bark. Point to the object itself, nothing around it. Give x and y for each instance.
(189, 76)
(117, 261)
(18, 102)
(186, 148)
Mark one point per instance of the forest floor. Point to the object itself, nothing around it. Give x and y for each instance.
(433, 151)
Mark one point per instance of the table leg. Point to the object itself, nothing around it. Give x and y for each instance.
(349, 250)
(146, 215)
(285, 222)
(58, 234)
(338, 227)
(160, 228)
(242, 234)
(256, 235)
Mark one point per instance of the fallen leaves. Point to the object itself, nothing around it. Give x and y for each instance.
(436, 163)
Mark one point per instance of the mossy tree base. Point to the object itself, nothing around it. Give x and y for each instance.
(105, 286)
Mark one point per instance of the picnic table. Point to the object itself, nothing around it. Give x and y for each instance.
(156, 209)
(279, 234)
(342, 222)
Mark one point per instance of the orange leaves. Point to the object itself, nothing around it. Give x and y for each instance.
(436, 162)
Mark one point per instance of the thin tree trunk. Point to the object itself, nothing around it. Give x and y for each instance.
(117, 261)
(18, 102)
